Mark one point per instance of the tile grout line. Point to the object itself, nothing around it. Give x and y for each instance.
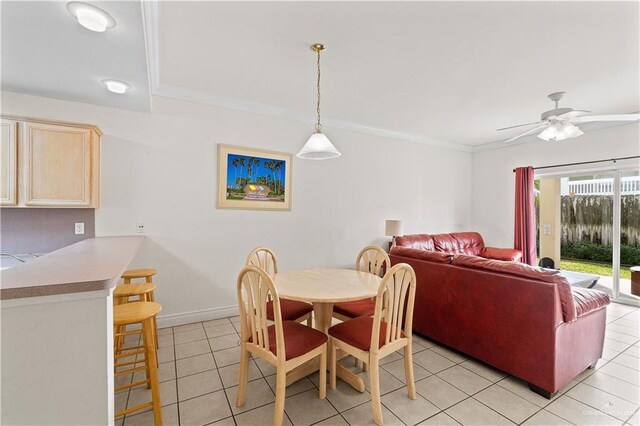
(220, 378)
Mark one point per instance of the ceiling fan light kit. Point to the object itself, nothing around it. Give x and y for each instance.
(560, 123)
(318, 147)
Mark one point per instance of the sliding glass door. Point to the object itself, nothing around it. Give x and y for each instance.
(626, 253)
(589, 223)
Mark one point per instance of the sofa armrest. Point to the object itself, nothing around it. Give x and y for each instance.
(587, 300)
(507, 254)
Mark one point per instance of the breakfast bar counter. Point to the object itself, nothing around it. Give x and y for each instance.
(89, 265)
(57, 334)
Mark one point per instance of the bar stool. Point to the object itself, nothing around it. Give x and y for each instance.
(139, 313)
(135, 274)
(132, 274)
(122, 294)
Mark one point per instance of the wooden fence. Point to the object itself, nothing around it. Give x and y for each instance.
(590, 218)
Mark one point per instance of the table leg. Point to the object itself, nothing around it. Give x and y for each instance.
(323, 313)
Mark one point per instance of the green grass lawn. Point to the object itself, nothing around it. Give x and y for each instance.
(595, 268)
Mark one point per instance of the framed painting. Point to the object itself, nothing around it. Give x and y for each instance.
(253, 179)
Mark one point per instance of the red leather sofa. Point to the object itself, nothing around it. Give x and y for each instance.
(524, 320)
(458, 243)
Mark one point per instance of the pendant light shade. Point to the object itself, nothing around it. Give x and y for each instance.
(318, 147)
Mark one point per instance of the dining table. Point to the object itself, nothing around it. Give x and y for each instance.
(323, 287)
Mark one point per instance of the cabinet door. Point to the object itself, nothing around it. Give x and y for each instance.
(8, 163)
(56, 165)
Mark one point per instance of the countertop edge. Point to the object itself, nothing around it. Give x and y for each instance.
(132, 244)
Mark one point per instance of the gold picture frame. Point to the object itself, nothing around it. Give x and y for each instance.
(253, 179)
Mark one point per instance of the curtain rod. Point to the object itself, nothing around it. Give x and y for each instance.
(585, 162)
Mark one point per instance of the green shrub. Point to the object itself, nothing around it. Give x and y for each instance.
(629, 255)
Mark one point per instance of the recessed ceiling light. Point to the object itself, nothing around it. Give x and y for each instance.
(116, 86)
(91, 17)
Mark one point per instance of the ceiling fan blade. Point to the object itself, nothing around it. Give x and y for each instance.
(535, 129)
(573, 114)
(611, 117)
(519, 125)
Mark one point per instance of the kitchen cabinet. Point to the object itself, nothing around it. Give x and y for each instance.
(58, 164)
(8, 163)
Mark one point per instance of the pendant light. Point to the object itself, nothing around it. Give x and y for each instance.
(318, 147)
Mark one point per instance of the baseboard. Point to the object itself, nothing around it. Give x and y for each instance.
(173, 320)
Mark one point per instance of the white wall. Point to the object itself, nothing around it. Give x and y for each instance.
(493, 180)
(161, 169)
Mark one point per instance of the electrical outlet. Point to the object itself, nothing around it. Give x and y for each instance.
(140, 227)
(79, 228)
(546, 229)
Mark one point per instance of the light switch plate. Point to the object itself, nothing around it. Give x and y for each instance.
(79, 228)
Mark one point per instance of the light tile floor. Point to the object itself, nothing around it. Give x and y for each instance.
(199, 378)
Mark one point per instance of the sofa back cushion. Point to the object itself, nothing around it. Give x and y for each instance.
(416, 241)
(459, 243)
(429, 255)
(525, 271)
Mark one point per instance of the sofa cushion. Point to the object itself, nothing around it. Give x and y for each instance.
(459, 242)
(519, 269)
(587, 300)
(507, 254)
(432, 256)
(525, 271)
(417, 241)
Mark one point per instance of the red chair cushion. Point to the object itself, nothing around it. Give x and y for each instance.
(290, 310)
(357, 332)
(355, 309)
(298, 339)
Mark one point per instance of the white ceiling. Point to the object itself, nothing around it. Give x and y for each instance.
(446, 73)
(46, 52)
(450, 71)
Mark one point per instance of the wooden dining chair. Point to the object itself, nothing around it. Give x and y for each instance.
(284, 344)
(292, 310)
(372, 259)
(370, 339)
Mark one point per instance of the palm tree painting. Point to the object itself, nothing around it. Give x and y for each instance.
(254, 178)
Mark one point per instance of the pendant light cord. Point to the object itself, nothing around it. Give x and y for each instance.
(318, 125)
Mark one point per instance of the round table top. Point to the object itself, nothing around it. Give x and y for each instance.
(326, 285)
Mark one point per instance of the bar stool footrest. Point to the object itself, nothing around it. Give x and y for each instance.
(136, 408)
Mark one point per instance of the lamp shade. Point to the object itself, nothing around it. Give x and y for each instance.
(393, 228)
(318, 147)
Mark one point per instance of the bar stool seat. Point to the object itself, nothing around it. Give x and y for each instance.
(142, 313)
(146, 273)
(142, 290)
(133, 313)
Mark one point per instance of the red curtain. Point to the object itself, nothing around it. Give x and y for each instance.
(525, 220)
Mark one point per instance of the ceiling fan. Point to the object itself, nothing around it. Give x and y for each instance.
(561, 123)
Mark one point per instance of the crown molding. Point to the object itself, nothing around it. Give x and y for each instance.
(503, 144)
(189, 95)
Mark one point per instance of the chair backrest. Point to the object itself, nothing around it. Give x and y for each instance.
(263, 258)
(373, 259)
(395, 298)
(255, 288)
